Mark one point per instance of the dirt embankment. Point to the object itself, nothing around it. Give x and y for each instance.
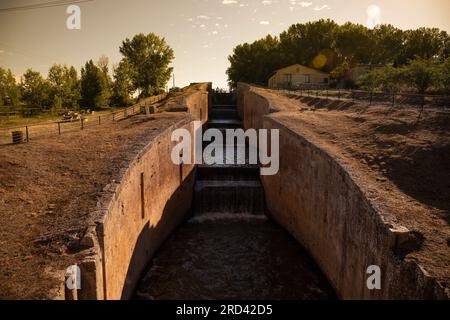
(47, 191)
(401, 152)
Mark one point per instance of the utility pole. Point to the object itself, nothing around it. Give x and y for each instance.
(173, 77)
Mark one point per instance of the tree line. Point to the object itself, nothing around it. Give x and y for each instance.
(143, 71)
(420, 74)
(330, 47)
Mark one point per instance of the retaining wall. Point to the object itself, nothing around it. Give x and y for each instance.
(137, 213)
(327, 208)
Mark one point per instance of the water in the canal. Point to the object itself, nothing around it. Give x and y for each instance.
(229, 256)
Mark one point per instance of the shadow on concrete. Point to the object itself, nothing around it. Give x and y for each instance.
(176, 210)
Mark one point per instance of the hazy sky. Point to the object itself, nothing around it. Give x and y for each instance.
(202, 32)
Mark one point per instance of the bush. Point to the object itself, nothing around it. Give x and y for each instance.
(420, 75)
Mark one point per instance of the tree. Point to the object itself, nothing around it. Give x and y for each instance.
(9, 90)
(302, 43)
(123, 88)
(424, 43)
(3, 93)
(149, 56)
(354, 43)
(35, 89)
(105, 79)
(443, 76)
(335, 48)
(420, 74)
(386, 79)
(65, 89)
(95, 91)
(388, 43)
(253, 63)
(74, 83)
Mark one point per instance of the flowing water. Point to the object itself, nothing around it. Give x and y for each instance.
(229, 249)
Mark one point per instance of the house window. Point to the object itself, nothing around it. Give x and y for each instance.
(325, 80)
(306, 78)
(288, 78)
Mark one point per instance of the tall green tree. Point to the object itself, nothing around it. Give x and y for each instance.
(36, 91)
(123, 88)
(253, 63)
(64, 86)
(74, 83)
(95, 92)
(388, 44)
(354, 43)
(149, 56)
(9, 90)
(301, 43)
(424, 43)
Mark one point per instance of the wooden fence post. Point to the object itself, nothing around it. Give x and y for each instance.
(59, 128)
(27, 135)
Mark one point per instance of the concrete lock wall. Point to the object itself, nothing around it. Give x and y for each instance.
(137, 214)
(325, 206)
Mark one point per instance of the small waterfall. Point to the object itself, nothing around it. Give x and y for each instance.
(232, 187)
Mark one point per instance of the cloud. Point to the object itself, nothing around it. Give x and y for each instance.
(203, 17)
(264, 23)
(325, 6)
(228, 2)
(305, 4)
(266, 2)
(2, 51)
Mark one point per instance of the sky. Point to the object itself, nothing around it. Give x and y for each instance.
(202, 33)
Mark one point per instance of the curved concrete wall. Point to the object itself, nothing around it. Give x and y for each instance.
(137, 213)
(326, 207)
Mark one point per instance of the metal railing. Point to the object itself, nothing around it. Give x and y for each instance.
(58, 128)
(393, 99)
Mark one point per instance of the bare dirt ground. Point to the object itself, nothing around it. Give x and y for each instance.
(401, 153)
(47, 190)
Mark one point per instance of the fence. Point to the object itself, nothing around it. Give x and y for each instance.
(393, 99)
(57, 128)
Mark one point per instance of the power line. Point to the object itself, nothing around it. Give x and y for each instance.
(27, 54)
(49, 4)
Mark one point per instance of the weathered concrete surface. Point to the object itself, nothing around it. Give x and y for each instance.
(138, 212)
(319, 199)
